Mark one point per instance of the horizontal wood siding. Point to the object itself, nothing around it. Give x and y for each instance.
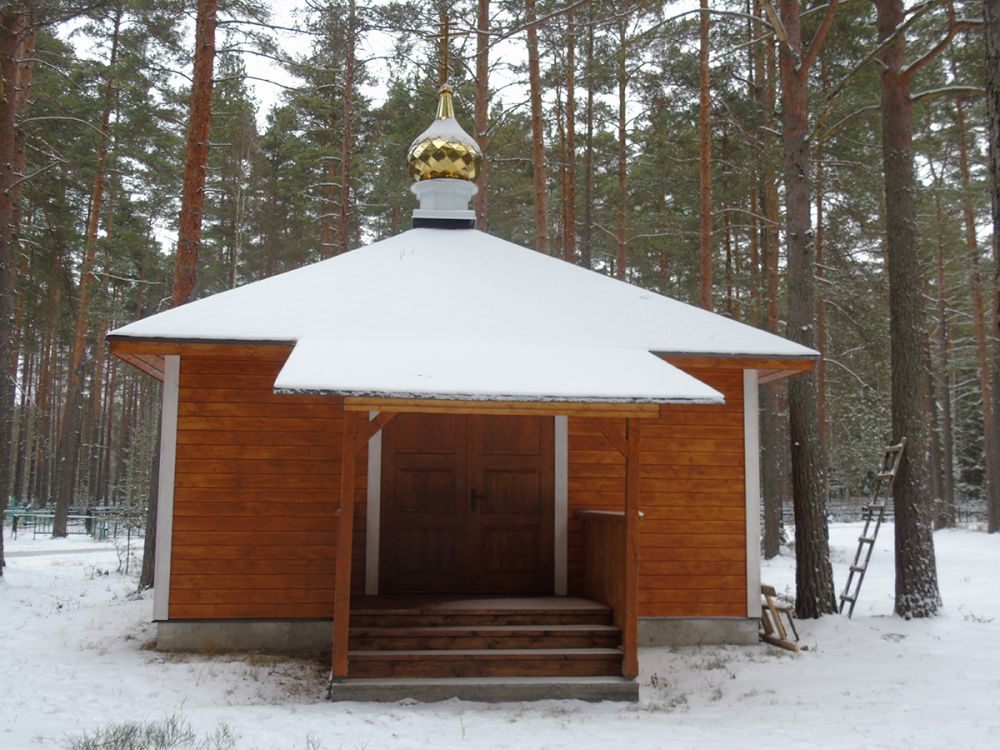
(256, 497)
(692, 538)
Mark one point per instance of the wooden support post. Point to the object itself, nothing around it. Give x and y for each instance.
(630, 620)
(345, 538)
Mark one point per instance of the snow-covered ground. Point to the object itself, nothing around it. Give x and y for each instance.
(76, 656)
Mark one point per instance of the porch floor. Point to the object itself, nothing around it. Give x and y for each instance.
(472, 603)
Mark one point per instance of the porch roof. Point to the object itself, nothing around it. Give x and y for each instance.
(473, 371)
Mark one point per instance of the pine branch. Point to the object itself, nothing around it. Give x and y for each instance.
(817, 41)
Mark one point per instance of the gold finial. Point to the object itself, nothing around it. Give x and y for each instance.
(444, 150)
(445, 109)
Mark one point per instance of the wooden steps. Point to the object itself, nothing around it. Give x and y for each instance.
(483, 638)
(479, 637)
(575, 662)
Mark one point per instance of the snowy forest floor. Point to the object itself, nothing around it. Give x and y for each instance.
(77, 656)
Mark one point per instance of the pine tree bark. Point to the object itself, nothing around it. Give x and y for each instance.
(979, 312)
(539, 171)
(991, 16)
(916, 573)
(815, 594)
(569, 184)
(196, 159)
(192, 209)
(820, 271)
(587, 232)
(71, 422)
(705, 158)
(25, 72)
(347, 146)
(621, 233)
(331, 197)
(14, 24)
(946, 513)
(481, 113)
(773, 443)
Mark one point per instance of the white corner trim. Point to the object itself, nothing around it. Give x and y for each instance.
(374, 513)
(751, 462)
(561, 540)
(165, 488)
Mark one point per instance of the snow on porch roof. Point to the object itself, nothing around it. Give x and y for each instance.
(486, 372)
(459, 286)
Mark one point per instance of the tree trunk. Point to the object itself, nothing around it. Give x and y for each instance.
(916, 573)
(480, 203)
(25, 70)
(980, 326)
(192, 207)
(539, 172)
(821, 415)
(991, 15)
(774, 446)
(814, 575)
(347, 147)
(946, 514)
(70, 425)
(587, 234)
(621, 235)
(331, 198)
(569, 184)
(196, 159)
(705, 159)
(147, 573)
(13, 23)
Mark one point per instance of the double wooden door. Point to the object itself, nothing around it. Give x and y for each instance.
(467, 505)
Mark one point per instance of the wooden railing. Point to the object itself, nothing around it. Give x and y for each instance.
(604, 559)
(609, 575)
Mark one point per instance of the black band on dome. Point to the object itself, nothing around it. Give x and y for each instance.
(426, 223)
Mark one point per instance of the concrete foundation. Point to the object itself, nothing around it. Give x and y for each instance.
(316, 635)
(487, 689)
(245, 635)
(697, 631)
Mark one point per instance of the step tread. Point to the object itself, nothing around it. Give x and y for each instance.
(489, 654)
(480, 611)
(475, 629)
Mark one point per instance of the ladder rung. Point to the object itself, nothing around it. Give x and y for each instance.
(869, 539)
(858, 568)
(886, 474)
(846, 598)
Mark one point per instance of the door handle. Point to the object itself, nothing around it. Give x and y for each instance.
(474, 498)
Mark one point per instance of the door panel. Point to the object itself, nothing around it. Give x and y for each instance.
(467, 504)
(422, 546)
(511, 529)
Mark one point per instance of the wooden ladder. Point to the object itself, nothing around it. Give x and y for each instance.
(874, 511)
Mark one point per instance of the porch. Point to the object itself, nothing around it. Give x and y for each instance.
(460, 635)
(483, 648)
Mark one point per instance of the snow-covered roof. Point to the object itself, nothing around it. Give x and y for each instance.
(479, 371)
(459, 287)
(460, 314)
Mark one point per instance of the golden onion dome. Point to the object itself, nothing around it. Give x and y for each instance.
(444, 150)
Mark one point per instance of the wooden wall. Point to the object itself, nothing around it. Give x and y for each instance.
(692, 540)
(257, 481)
(256, 493)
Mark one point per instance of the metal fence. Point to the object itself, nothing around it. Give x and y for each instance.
(968, 511)
(101, 522)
